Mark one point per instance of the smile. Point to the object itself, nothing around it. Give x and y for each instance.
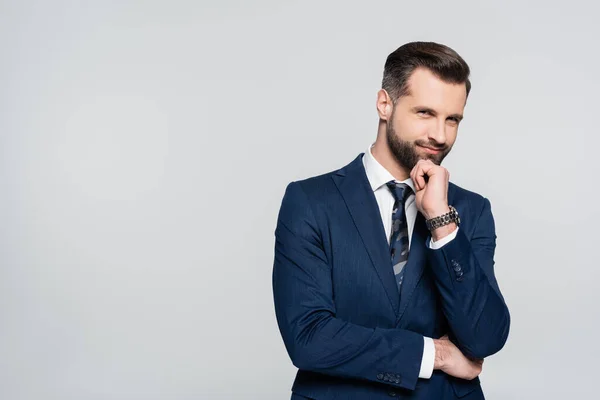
(430, 150)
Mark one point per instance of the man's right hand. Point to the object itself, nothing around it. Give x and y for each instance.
(452, 361)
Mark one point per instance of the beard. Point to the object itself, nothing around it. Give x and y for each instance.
(406, 152)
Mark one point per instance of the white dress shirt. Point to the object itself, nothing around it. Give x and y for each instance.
(378, 176)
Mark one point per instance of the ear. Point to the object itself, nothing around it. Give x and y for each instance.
(384, 105)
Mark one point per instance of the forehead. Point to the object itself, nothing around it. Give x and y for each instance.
(426, 89)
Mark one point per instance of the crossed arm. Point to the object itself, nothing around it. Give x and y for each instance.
(318, 341)
(463, 271)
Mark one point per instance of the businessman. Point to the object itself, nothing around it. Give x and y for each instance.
(383, 277)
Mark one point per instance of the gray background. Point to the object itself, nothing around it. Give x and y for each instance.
(145, 147)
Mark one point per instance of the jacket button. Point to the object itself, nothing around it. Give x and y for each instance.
(393, 394)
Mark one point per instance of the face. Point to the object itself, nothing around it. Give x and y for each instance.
(424, 123)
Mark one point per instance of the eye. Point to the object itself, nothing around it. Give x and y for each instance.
(454, 120)
(423, 112)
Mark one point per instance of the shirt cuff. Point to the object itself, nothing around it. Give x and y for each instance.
(428, 359)
(436, 245)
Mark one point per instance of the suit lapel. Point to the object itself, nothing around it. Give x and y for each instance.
(354, 187)
(353, 184)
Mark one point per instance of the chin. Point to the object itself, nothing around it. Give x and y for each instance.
(433, 159)
(430, 157)
(437, 160)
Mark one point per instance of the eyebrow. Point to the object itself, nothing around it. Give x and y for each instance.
(459, 117)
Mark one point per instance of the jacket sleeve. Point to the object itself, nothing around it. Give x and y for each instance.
(306, 314)
(471, 300)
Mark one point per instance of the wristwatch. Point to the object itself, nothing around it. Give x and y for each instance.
(443, 219)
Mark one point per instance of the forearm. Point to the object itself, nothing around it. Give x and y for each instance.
(328, 345)
(475, 310)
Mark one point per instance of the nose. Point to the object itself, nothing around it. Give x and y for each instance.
(437, 133)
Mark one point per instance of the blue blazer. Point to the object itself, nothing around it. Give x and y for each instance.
(345, 324)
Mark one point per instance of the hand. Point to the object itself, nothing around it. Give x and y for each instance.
(452, 361)
(431, 185)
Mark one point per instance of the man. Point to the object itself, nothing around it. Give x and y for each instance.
(383, 277)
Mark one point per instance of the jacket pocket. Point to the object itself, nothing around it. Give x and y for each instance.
(463, 387)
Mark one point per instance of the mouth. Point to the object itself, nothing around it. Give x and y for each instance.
(431, 150)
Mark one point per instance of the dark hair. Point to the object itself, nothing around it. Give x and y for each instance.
(444, 62)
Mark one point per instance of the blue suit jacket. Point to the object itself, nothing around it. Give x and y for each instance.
(343, 321)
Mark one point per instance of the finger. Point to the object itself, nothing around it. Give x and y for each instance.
(418, 176)
(429, 168)
(413, 176)
(424, 169)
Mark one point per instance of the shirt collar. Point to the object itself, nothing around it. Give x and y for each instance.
(378, 175)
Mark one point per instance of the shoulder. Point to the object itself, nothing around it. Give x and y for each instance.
(461, 193)
(315, 186)
(322, 187)
(467, 200)
(306, 200)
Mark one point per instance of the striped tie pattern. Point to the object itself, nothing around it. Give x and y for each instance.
(399, 237)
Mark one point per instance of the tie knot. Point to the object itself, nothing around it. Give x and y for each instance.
(400, 191)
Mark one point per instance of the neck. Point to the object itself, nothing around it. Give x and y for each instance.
(382, 153)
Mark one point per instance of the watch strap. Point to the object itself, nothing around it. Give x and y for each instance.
(444, 219)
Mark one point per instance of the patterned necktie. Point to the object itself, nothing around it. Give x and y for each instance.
(399, 238)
